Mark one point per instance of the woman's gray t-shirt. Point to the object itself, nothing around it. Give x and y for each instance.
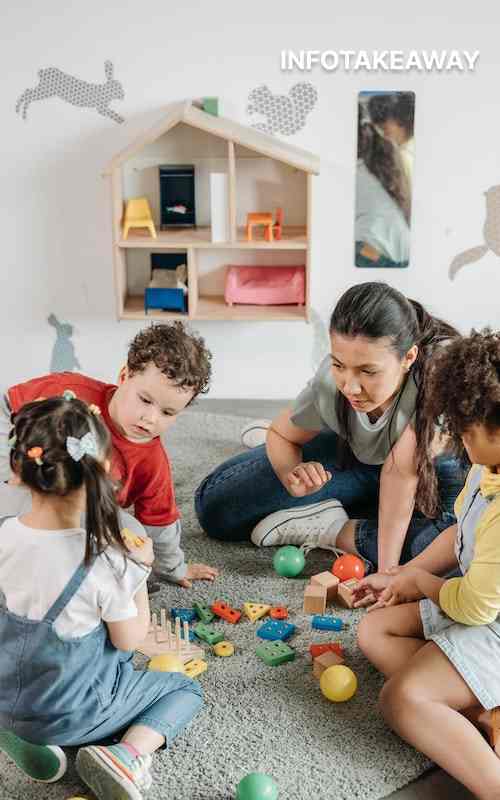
(315, 410)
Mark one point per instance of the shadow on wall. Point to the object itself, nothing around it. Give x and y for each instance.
(285, 114)
(491, 233)
(63, 358)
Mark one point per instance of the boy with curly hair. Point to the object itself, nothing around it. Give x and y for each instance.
(167, 367)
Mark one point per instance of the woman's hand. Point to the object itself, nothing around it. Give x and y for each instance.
(198, 572)
(403, 587)
(306, 478)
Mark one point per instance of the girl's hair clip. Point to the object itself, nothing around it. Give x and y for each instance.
(36, 454)
(69, 395)
(95, 410)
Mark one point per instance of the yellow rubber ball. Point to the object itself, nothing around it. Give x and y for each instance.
(224, 649)
(338, 683)
(166, 663)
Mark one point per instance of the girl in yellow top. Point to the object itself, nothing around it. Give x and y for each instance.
(436, 639)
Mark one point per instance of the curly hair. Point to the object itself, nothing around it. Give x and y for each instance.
(176, 351)
(464, 385)
(44, 426)
(376, 310)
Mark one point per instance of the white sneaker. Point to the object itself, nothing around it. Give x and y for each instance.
(254, 434)
(315, 525)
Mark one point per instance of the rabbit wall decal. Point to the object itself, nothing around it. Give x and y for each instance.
(56, 83)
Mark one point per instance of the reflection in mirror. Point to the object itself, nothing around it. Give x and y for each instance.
(384, 173)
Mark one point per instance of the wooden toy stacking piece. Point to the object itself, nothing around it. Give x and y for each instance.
(314, 599)
(322, 662)
(328, 581)
(255, 611)
(344, 593)
(224, 611)
(161, 639)
(279, 612)
(318, 648)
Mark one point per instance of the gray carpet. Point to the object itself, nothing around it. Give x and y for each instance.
(255, 717)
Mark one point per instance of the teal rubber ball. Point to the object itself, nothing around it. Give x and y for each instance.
(257, 786)
(289, 561)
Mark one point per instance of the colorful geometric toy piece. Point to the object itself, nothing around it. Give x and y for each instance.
(225, 612)
(276, 630)
(275, 653)
(224, 649)
(195, 667)
(279, 612)
(203, 611)
(326, 647)
(338, 683)
(289, 561)
(255, 611)
(184, 614)
(325, 622)
(257, 786)
(207, 633)
(167, 662)
(348, 566)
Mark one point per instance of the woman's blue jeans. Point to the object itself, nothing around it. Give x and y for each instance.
(243, 490)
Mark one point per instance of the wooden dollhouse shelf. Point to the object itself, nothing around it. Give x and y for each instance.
(215, 308)
(293, 238)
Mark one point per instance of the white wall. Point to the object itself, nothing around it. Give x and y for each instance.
(55, 218)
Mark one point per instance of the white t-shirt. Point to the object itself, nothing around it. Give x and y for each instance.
(36, 565)
(379, 221)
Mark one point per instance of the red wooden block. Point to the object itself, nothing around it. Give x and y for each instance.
(225, 612)
(318, 649)
(279, 612)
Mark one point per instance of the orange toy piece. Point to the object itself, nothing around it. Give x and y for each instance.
(278, 612)
(225, 612)
(278, 224)
(348, 566)
(318, 649)
(260, 218)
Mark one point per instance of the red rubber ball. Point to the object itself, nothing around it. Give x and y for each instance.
(349, 566)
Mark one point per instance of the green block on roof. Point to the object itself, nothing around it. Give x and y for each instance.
(211, 105)
(204, 612)
(207, 633)
(275, 653)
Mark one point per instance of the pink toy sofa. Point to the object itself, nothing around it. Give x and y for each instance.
(265, 286)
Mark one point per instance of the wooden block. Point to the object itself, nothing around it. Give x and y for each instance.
(344, 592)
(324, 661)
(329, 581)
(314, 599)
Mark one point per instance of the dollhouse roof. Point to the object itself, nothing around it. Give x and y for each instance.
(250, 138)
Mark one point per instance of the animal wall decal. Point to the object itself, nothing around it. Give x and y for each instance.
(63, 358)
(285, 114)
(56, 83)
(491, 234)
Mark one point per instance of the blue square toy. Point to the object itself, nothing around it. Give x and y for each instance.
(326, 623)
(275, 629)
(184, 614)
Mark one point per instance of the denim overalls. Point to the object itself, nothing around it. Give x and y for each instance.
(65, 691)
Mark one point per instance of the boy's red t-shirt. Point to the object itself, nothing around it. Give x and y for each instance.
(142, 469)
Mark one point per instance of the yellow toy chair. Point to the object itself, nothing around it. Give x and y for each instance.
(138, 215)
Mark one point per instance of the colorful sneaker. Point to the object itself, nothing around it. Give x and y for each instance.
(254, 434)
(45, 763)
(315, 525)
(115, 772)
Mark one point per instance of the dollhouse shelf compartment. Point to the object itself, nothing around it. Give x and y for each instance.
(186, 134)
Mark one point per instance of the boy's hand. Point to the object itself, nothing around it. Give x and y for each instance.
(140, 547)
(306, 478)
(198, 572)
(368, 590)
(403, 587)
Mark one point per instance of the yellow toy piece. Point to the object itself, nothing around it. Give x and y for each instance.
(130, 538)
(224, 649)
(167, 662)
(138, 215)
(255, 611)
(338, 683)
(195, 667)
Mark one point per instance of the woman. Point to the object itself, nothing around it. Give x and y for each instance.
(383, 200)
(355, 441)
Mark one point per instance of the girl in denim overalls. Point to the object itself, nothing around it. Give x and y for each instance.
(439, 641)
(73, 605)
